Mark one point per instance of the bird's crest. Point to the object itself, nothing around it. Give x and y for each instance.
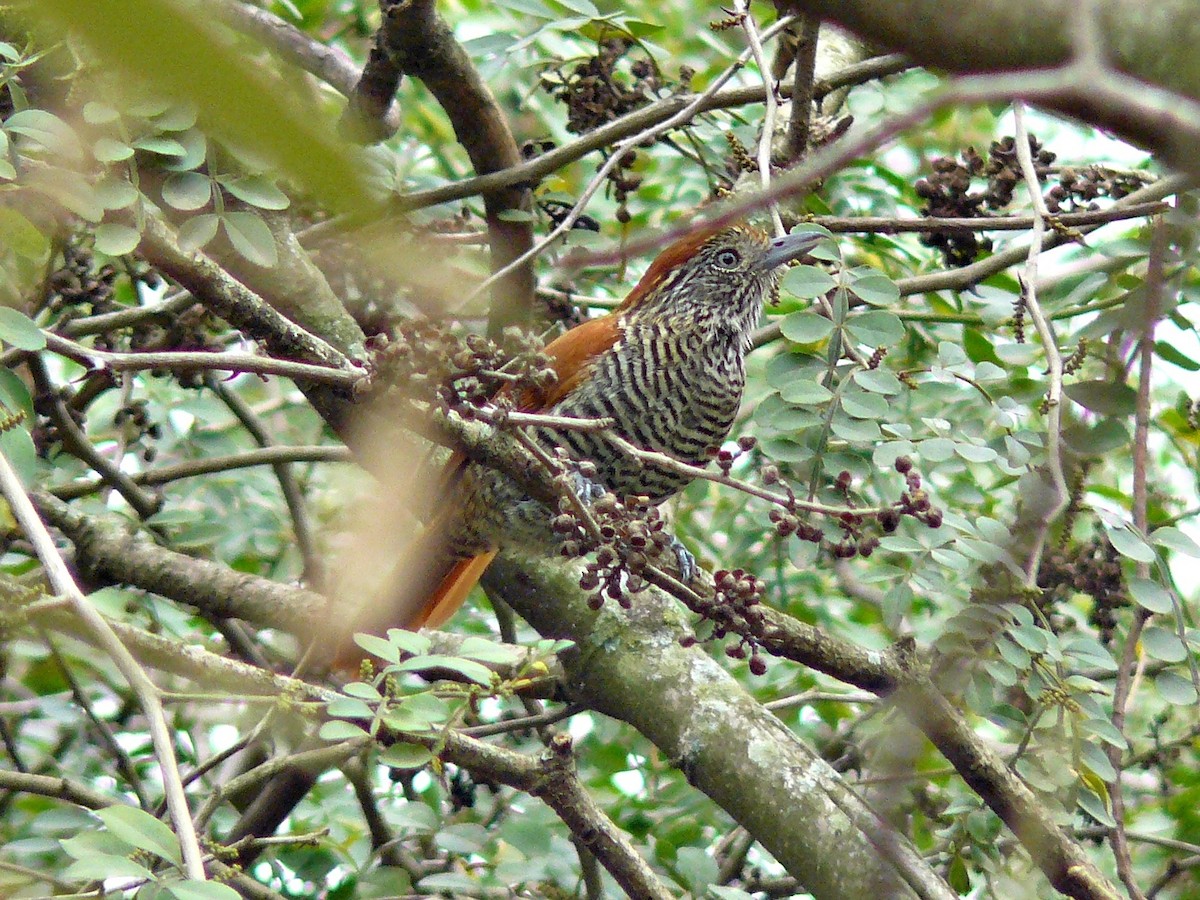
(666, 262)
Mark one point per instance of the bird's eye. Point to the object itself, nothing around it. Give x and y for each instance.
(728, 259)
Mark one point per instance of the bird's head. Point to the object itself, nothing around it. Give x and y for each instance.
(724, 273)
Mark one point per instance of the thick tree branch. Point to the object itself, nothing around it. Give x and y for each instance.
(122, 555)
(419, 43)
(996, 36)
(633, 668)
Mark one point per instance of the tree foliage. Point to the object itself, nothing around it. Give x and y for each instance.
(262, 263)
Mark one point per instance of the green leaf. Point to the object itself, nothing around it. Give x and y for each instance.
(202, 890)
(803, 392)
(251, 237)
(1164, 645)
(1096, 807)
(99, 866)
(92, 843)
(70, 189)
(1150, 595)
(21, 236)
(1174, 688)
(936, 449)
(176, 117)
(876, 328)
(349, 708)
(116, 193)
(95, 113)
(377, 646)
(1109, 398)
(805, 327)
(20, 331)
(406, 756)
(197, 231)
(876, 289)
(1128, 543)
(141, 830)
(109, 150)
(1016, 354)
(806, 282)
(864, 405)
(470, 670)
(117, 240)
(163, 146)
(865, 430)
(1174, 539)
(878, 381)
(1172, 354)
(46, 129)
(362, 691)
(696, 868)
(409, 641)
(485, 651)
(187, 190)
(257, 190)
(340, 730)
(974, 453)
(1096, 440)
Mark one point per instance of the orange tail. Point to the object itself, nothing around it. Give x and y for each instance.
(452, 592)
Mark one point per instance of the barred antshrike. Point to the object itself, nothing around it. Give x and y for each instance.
(667, 366)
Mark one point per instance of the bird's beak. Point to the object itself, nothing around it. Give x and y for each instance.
(789, 247)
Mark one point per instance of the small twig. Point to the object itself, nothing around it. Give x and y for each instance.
(525, 722)
(1054, 363)
(671, 464)
(767, 137)
(496, 416)
(124, 764)
(800, 121)
(187, 361)
(77, 444)
(1124, 687)
(147, 695)
(127, 318)
(268, 456)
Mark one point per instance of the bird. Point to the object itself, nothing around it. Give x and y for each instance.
(666, 366)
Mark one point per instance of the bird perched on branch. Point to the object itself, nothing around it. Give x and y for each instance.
(666, 366)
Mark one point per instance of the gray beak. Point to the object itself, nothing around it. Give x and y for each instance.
(789, 247)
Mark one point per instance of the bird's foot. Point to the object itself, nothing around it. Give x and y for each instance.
(685, 560)
(585, 489)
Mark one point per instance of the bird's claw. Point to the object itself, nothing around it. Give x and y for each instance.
(685, 560)
(585, 489)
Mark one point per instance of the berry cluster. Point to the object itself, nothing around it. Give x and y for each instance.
(633, 535)
(734, 609)
(596, 92)
(462, 373)
(78, 288)
(1092, 568)
(948, 193)
(1078, 189)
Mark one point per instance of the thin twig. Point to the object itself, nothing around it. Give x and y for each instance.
(189, 361)
(767, 136)
(1054, 363)
(147, 695)
(176, 471)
